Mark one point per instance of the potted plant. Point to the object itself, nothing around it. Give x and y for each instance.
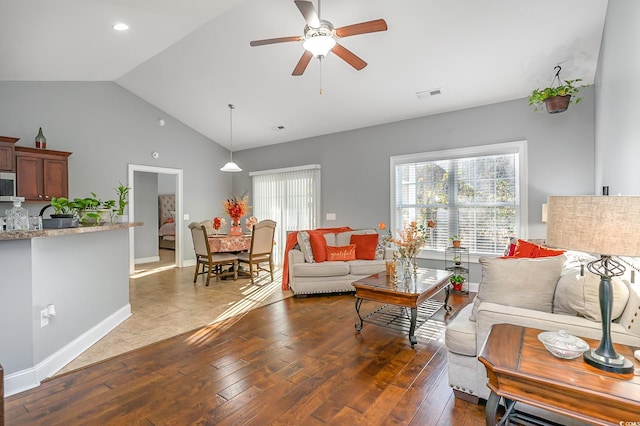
(88, 209)
(456, 282)
(457, 260)
(123, 192)
(62, 207)
(556, 99)
(107, 211)
(456, 241)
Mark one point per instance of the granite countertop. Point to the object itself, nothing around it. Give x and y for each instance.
(25, 235)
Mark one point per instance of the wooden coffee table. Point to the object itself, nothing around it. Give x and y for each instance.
(401, 294)
(519, 368)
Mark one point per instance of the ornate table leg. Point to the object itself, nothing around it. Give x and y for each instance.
(358, 303)
(491, 409)
(447, 290)
(412, 328)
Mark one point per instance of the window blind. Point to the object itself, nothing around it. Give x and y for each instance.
(291, 197)
(476, 197)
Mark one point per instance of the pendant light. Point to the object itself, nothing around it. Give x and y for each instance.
(231, 166)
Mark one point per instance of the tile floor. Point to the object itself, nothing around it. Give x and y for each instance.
(165, 302)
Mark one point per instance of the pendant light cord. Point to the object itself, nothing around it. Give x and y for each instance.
(231, 107)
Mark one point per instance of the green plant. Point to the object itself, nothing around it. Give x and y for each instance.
(87, 209)
(108, 204)
(62, 205)
(456, 279)
(123, 192)
(455, 238)
(538, 96)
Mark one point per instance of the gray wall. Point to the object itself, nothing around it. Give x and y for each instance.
(618, 90)
(16, 295)
(106, 127)
(355, 164)
(146, 199)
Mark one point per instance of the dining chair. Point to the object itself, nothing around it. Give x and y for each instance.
(261, 250)
(212, 263)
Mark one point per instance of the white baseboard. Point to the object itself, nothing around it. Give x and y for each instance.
(146, 259)
(23, 380)
(188, 262)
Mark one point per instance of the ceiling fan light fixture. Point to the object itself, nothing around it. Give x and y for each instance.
(319, 45)
(230, 166)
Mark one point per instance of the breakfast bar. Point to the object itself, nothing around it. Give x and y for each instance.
(61, 290)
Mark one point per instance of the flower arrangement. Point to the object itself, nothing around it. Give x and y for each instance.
(250, 222)
(412, 238)
(388, 239)
(219, 222)
(236, 208)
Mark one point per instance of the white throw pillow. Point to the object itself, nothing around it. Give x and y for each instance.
(305, 246)
(520, 282)
(578, 294)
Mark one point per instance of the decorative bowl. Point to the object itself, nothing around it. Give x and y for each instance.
(562, 344)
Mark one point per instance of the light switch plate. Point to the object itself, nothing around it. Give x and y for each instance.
(44, 318)
(331, 216)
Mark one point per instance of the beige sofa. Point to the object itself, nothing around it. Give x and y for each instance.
(307, 278)
(545, 293)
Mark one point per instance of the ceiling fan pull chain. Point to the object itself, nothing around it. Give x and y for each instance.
(320, 59)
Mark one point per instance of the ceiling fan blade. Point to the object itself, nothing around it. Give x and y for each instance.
(309, 13)
(275, 40)
(349, 57)
(302, 63)
(362, 28)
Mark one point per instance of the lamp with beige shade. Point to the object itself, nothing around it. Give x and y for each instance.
(608, 226)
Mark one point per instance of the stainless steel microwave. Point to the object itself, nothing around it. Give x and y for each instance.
(7, 186)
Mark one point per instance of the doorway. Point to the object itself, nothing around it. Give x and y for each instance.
(176, 174)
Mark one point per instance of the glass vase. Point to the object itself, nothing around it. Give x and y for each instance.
(407, 266)
(235, 229)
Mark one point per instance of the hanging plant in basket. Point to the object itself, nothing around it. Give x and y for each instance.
(558, 96)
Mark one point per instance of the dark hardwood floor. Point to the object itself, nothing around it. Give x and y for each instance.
(294, 362)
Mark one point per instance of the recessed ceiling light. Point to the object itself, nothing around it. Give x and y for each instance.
(121, 27)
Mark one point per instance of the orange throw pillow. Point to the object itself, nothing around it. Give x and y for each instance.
(365, 246)
(341, 253)
(318, 245)
(527, 249)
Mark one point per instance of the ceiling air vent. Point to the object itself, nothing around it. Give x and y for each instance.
(428, 93)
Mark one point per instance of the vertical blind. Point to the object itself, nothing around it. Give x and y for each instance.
(291, 197)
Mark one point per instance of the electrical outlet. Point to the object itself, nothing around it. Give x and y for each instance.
(44, 318)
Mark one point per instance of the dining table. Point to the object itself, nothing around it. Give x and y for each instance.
(225, 243)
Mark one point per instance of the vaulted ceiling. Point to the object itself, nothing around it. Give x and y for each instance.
(192, 58)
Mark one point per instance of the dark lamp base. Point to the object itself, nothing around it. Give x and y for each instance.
(620, 365)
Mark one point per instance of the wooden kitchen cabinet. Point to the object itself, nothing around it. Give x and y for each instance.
(41, 174)
(7, 153)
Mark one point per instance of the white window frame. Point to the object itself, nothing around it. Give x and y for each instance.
(519, 147)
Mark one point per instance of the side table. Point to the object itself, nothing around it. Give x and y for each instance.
(520, 369)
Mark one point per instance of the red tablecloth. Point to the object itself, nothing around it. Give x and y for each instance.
(229, 243)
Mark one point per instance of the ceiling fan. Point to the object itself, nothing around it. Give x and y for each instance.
(320, 37)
